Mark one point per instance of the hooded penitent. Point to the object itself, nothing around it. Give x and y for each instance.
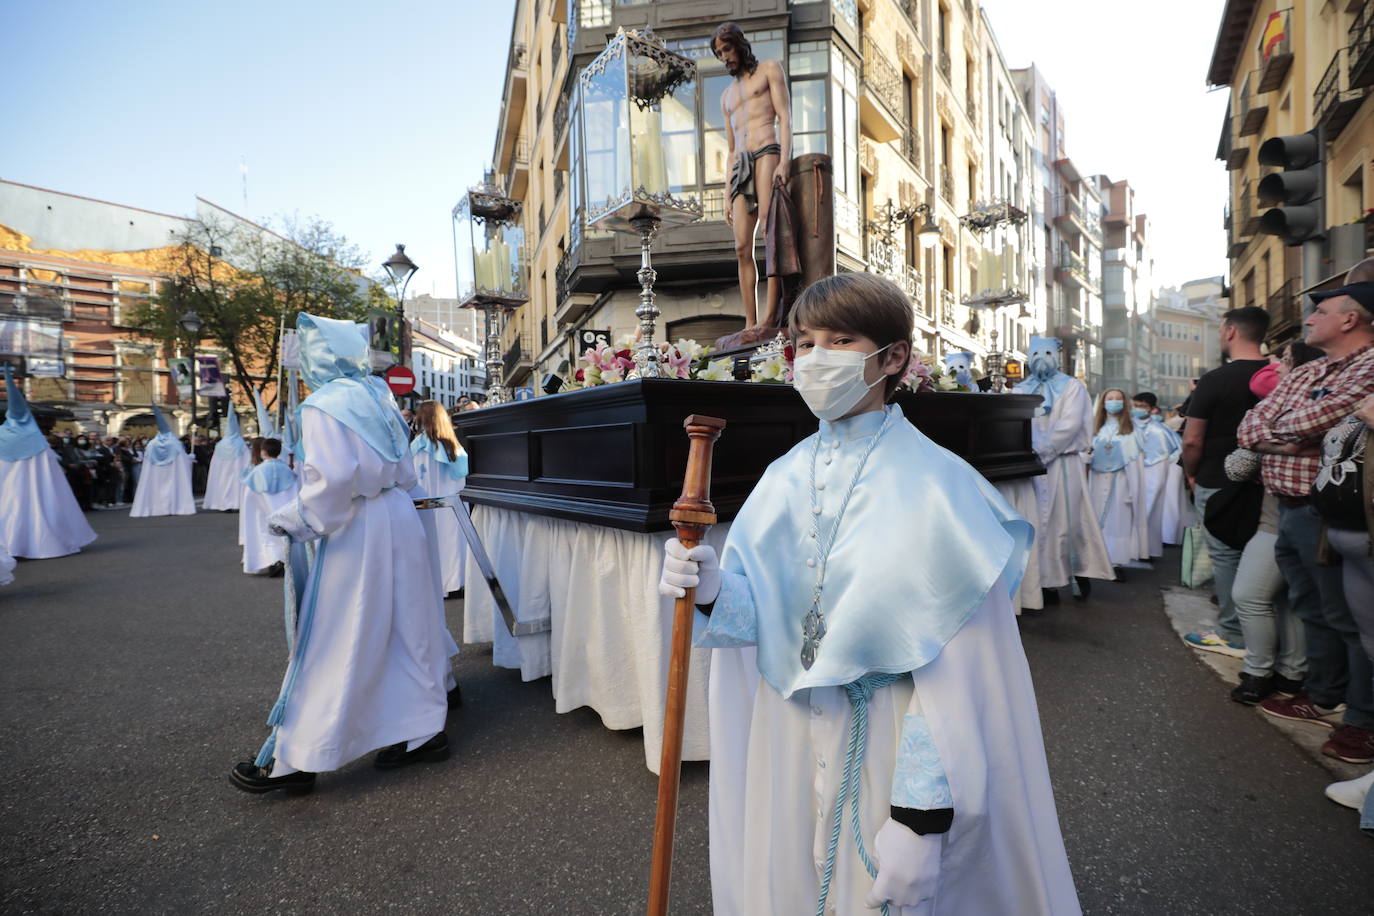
(266, 428)
(334, 364)
(959, 365)
(1045, 377)
(20, 436)
(164, 447)
(231, 444)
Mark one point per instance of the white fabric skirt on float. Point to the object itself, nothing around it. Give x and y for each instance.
(39, 515)
(224, 482)
(164, 489)
(1113, 496)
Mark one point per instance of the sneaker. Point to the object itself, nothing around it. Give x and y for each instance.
(1209, 641)
(1351, 792)
(1253, 689)
(1351, 744)
(1300, 709)
(1287, 687)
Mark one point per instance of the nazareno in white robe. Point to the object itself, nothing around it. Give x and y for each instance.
(1117, 496)
(261, 548)
(375, 669)
(224, 482)
(436, 480)
(39, 514)
(164, 489)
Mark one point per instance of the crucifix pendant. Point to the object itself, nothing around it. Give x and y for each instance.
(813, 631)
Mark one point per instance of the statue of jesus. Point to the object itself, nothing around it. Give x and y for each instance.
(758, 120)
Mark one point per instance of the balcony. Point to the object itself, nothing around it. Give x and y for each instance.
(1336, 101)
(513, 101)
(1074, 268)
(515, 360)
(1285, 312)
(1277, 57)
(946, 182)
(911, 147)
(1073, 218)
(947, 303)
(1253, 111)
(945, 67)
(560, 120)
(880, 107)
(1362, 49)
(518, 175)
(1249, 220)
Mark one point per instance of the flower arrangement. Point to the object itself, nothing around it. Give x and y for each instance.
(925, 373)
(605, 365)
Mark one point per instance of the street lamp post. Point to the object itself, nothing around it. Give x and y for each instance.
(191, 324)
(400, 268)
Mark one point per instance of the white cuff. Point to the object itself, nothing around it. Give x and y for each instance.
(290, 521)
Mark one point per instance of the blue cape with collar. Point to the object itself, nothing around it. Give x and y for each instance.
(1112, 450)
(272, 475)
(923, 542)
(20, 436)
(456, 467)
(334, 363)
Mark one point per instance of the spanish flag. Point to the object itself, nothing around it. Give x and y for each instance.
(1275, 33)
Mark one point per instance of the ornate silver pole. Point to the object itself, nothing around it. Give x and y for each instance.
(496, 392)
(646, 354)
(995, 362)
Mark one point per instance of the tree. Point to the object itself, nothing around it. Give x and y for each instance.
(246, 283)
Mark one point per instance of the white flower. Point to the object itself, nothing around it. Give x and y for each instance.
(718, 371)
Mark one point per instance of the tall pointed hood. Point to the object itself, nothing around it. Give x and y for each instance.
(334, 363)
(266, 428)
(231, 444)
(164, 447)
(20, 436)
(162, 425)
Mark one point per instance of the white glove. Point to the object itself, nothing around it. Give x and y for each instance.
(683, 569)
(908, 866)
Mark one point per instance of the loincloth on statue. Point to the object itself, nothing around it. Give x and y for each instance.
(742, 174)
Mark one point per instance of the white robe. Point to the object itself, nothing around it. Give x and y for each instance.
(261, 548)
(39, 514)
(1115, 498)
(6, 567)
(1062, 438)
(436, 481)
(1178, 512)
(375, 667)
(224, 482)
(1023, 496)
(164, 489)
(776, 766)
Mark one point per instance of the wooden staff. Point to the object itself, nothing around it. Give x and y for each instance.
(691, 515)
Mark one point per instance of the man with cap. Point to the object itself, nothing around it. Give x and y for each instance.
(1287, 428)
(164, 486)
(1068, 537)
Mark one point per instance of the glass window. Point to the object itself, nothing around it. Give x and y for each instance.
(845, 86)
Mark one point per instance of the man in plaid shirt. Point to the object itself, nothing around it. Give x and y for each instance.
(1286, 428)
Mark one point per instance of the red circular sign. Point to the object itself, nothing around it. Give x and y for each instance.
(400, 379)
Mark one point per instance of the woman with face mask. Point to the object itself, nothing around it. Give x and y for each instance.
(1114, 477)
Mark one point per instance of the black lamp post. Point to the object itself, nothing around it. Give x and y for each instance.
(400, 268)
(191, 324)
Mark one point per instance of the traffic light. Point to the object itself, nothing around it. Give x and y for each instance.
(1298, 188)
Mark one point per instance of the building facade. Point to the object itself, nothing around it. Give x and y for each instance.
(913, 102)
(1186, 340)
(1127, 291)
(447, 366)
(1294, 67)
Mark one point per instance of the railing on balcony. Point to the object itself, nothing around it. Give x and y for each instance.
(947, 303)
(908, 279)
(1285, 310)
(946, 182)
(881, 77)
(519, 58)
(1335, 101)
(1244, 229)
(561, 274)
(1362, 48)
(513, 356)
(1073, 263)
(945, 67)
(558, 183)
(560, 117)
(1252, 111)
(557, 53)
(911, 146)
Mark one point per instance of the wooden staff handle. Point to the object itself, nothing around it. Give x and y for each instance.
(691, 515)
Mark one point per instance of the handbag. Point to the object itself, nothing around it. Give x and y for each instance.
(1233, 513)
(1197, 562)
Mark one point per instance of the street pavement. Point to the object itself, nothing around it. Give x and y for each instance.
(137, 672)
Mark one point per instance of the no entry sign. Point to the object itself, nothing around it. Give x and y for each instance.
(400, 379)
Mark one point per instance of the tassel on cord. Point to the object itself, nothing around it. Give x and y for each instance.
(269, 749)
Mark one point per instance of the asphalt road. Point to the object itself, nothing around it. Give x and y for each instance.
(135, 674)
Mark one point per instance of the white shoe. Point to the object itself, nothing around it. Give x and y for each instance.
(1351, 792)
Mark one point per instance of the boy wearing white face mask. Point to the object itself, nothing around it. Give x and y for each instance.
(890, 755)
(1114, 478)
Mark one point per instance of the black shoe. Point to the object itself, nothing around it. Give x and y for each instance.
(1049, 596)
(1119, 573)
(252, 778)
(455, 697)
(1215, 600)
(1085, 588)
(1253, 690)
(276, 570)
(396, 756)
(1286, 687)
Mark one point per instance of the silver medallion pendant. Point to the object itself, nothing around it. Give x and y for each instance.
(813, 631)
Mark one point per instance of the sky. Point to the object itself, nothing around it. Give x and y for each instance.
(376, 117)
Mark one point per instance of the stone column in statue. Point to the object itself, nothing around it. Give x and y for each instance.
(758, 120)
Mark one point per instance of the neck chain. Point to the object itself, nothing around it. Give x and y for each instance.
(813, 625)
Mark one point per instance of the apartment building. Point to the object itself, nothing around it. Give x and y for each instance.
(1294, 67)
(447, 366)
(1127, 290)
(1067, 222)
(911, 99)
(1186, 344)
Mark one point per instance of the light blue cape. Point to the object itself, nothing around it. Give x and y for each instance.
(1157, 441)
(271, 476)
(1047, 383)
(922, 544)
(165, 446)
(231, 444)
(457, 466)
(1123, 450)
(20, 436)
(334, 363)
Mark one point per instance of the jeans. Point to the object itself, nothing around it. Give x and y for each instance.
(1274, 641)
(1357, 578)
(1338, 670)
(1225, 561)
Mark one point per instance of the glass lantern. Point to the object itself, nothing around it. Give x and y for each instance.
(637, 125)
(489, 248)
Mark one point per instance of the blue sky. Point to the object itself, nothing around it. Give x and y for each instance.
(377, 116)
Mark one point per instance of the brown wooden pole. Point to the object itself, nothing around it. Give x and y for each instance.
(691, 516)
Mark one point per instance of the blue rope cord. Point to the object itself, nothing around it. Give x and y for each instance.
(859, 693)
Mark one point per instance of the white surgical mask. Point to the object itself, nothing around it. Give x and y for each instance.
(1114, 406)
(831, 382)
